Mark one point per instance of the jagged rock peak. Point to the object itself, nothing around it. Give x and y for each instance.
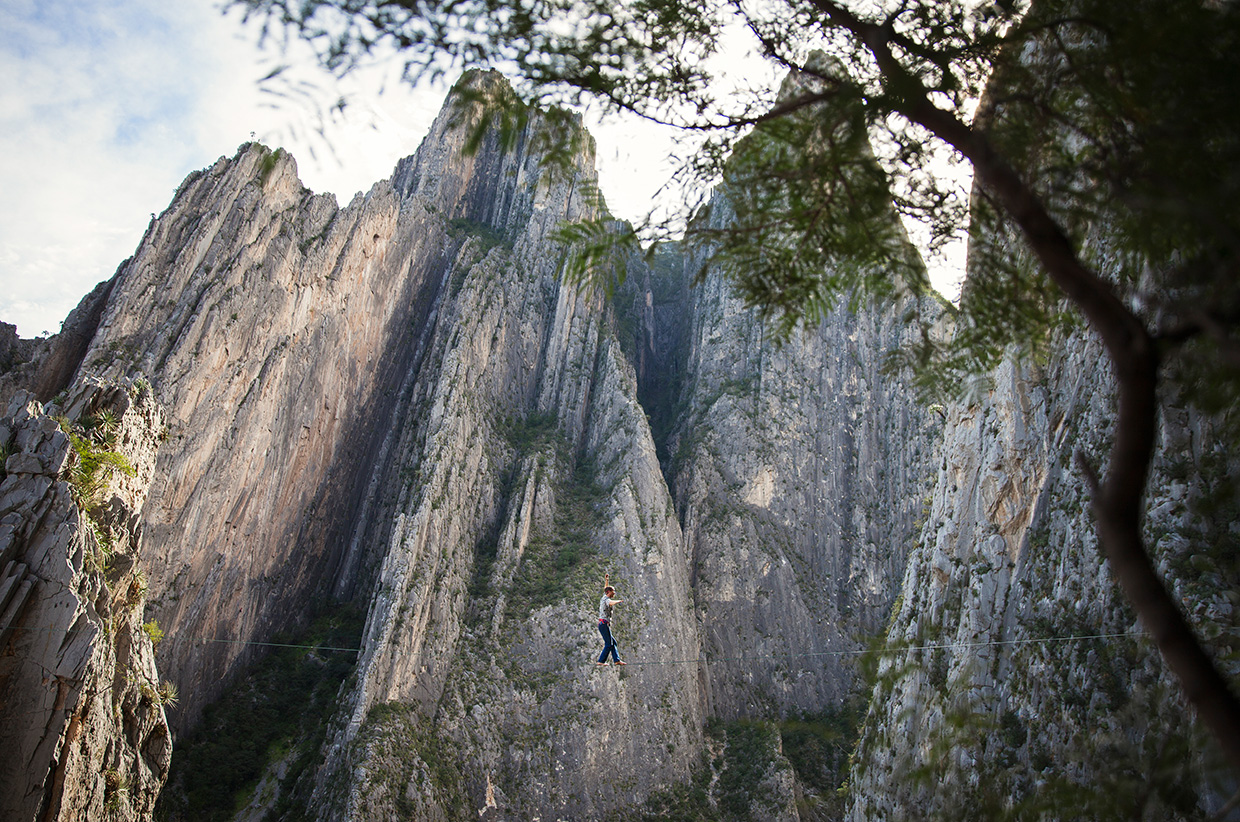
(400, 404)
(485, 159)
(283, 335)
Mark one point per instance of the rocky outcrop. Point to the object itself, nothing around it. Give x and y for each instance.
(46, 366)
(1019, 682)
(525, 472)
(19, 362)
(84, 728)
(280, 333)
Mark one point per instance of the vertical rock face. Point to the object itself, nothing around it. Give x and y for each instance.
(1044, 689)
(400, 403)
(284, 336)
(801, 472)
(230, 304)
(1026, 687)
(524, 472)
(84, 733)
(485, 613)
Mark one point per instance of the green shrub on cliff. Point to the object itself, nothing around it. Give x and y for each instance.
(94, 441)
(562, 561)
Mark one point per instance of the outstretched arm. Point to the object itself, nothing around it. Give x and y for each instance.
(606, 579)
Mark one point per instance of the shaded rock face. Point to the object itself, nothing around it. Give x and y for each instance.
(524, 473)
(485, 614)
(284, 336)
(1030, 689)
(228, 304)
(528, 405)
(480, 636)
(84, 733)
(801, 474)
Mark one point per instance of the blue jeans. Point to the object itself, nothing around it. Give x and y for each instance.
(609, 644)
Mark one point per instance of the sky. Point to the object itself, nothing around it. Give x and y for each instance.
(107, 105)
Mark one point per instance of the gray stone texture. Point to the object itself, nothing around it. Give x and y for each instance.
(84, 731)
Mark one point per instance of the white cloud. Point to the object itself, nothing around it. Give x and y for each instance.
(116, 101)
(89, 146)
(119, 101)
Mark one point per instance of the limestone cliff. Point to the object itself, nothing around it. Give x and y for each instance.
(1019, 683)
(284, 336)
(527, 468)
(801, 471)
(84, 731)
(400, 404)
(1000, 700)
(524, 472)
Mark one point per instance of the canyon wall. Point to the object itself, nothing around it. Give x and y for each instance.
(1028, 685)
(1019, 682)
(801, 472)
(401, 405)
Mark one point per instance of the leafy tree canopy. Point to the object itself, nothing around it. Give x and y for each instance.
(1103, 136)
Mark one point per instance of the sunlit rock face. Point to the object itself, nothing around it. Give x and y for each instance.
(524, 471)
(1014, 711)
(84, 731)
(1020, 683)
(282, 334)
(399, 403)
